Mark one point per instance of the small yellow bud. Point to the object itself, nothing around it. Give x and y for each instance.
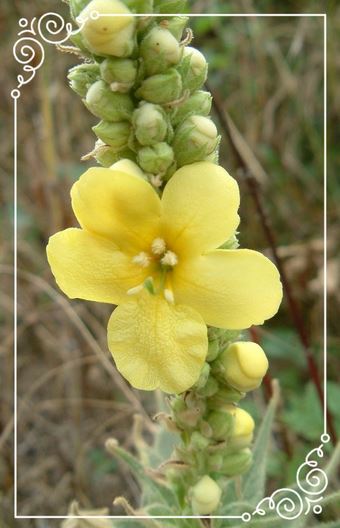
(243, 428)
(244, 364)
(198, 69)
(108, 35)
(129, 167)
(206, 495)
(160, 50)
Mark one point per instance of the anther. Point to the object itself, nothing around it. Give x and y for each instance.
(169, 259)
(135, 290)
(169, 296)
(158, 246)
(142, 259)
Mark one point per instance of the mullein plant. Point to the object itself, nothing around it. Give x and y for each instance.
(158, 238)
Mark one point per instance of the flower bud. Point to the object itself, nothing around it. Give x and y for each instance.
(156, 159)
(236, 463)
(205, 496)
(159, 50)
(213, 349)
(225, 396)
(195, 69)
(221, 423)
(197, 104)
(175, 25)
(210, 388)
(107, 156)
(120, 74)
(215, 461)
(150, 124)
(202, 380)
(81, 77)
(162, 88)
(198, 441)
(244, 364)
(108, 105)
(129, 167)
(243, 428)
(115, 135)
(76, 7)
(108, 35)
(194, 139)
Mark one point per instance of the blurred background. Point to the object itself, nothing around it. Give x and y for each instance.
(267, 74)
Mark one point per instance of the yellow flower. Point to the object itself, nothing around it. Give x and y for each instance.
(132, 243)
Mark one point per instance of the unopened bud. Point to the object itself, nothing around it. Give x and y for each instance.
(215, 461)
(205, 497)
(150, 124)
(213, 349)
(221, 423)
(81, 77)
(236, 463)
(194, 139)
(156, 159)
(120, 74)
(129, 167)
(198, 441)
(106, 34)
(76, 7)
(243, 428)
(195, 69)
(107, 156)
(114, 134)
(108, 105)
(244, 364)
(225, 396)
(204, 376)
(197, 104)
(162, 88)
(210, 388)
(160, 50)
(175, 25)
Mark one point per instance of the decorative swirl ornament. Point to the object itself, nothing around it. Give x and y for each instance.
(29, 51)
(290, 503)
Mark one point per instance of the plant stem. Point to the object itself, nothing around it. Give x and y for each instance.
(268, 231)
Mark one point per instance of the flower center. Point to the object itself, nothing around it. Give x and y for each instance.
(161, 260)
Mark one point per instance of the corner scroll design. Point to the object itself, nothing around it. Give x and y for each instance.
(290, 503)
(28, 50)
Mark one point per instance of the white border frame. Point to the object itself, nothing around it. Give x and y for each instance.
(54, 24)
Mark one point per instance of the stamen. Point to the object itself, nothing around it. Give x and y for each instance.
(135, 290)
(170, 259)
(169, 296)
(158, 246)
(142, 259)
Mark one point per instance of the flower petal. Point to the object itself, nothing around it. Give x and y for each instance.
(231, 289)
(117, 205)
(89, 267)
(156, 344)
(200, 205)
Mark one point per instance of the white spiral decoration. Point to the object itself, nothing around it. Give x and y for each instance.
(29, 51)
(311, 482)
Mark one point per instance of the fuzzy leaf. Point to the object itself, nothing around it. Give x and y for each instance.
(254, 480)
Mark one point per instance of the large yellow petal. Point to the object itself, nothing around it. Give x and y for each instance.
(231, 289)
(200, 205)
(119, 206)
(89, 267)
(156, 344)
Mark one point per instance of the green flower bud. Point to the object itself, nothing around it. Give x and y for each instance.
(221, 423)
(244, 365)
(194, 139)
(108, 35)
(203, 376)
(150, 124)
(225, 396)
(120, 74)
(236, 463)
(108, 105)
(205, 496)
(115, 135)
(198, 441)
(175, 25)
(76, 7)
(210, 388)
(197, 104)
(215, 462)
(107, 156)
(243, 428)
(81, 77)
(162, 88)
(156, 159)
(195, 69)
(160, 50)
(213, 349)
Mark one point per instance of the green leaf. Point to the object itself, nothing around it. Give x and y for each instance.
(304, 414)
(254, 480)
(153, 491)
